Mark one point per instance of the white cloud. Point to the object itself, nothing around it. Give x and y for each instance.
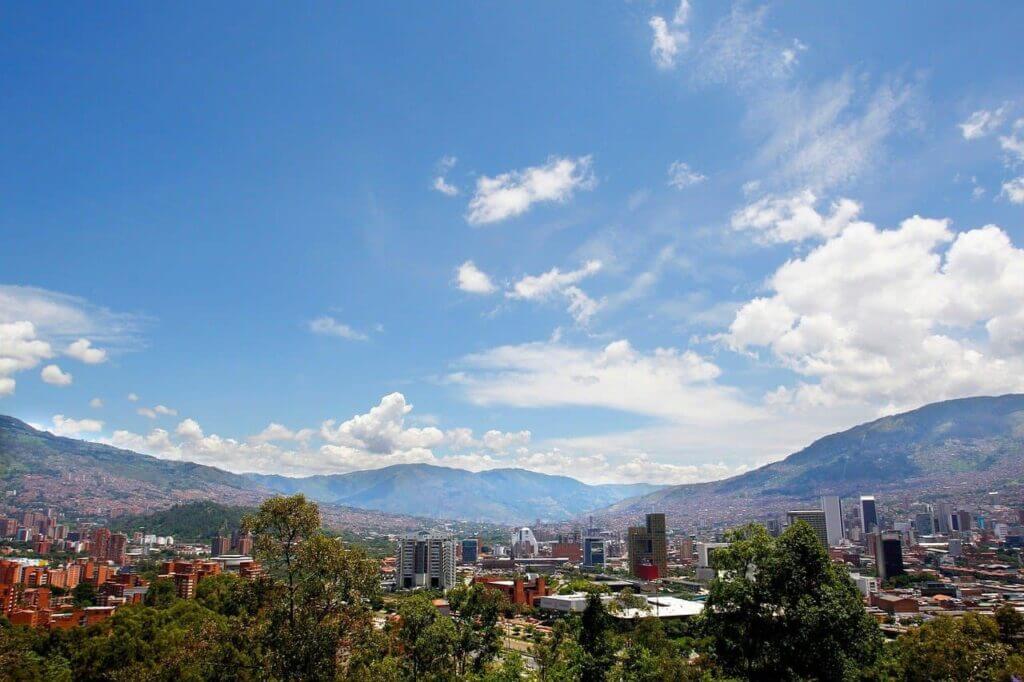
(894, 317)
(440, 182)
(511, 194)
(133, 398)
(473, 280)
(278, 432)
(58, 316)
(65, 426)
(1013, 144)
(793, 218)
(499, 441)
(681, 176)
(665, 43)
(740, 50)
(982, 123)
(554, 283)
(83, 351)
(667, 383)
(1014, 190)
(156, 411)
(382, 430)
(828, 135)
(328, 326)
(189, 429)
(20, 349)
(96, 403)
(52, 374)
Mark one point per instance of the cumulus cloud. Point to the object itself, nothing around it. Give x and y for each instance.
(681, 176)
(901, 316)
(278, 432)
(148, 412)
(189, 429)
(774, 219)
(328, 326)
(473, 280)
(34, 321)
(441, 183)
(133, 398)
(555, 283)
(982, 122)
(513, 193)
(54, 375)
(65, 426)
(96, 403)
(20, 349)
(83, 351)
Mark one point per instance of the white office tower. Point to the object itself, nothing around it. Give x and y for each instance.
(833, 519)
(524, 544)
(427, 559)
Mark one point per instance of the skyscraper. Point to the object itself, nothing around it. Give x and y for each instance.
(815, 518)
(924, 524)
(593, 552)
(648, 544)
(888, 555)
(833, 519)
(470, 550)
(426, 559)
(868, 514)
(943, 517)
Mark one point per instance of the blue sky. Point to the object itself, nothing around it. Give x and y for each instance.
(624, 241)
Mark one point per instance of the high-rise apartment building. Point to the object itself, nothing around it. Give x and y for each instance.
(648, 545)
(426, 559)
(815, 518)
(833, 508)
(888, 555)
(868, 514)
(220, 546)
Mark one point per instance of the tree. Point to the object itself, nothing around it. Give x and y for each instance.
(966, 648)
(313, 599)
(161, 593)
(1011, 624)
(596, 640)
(476, 610)
(84, 594)
(782, 610)
(559, 657)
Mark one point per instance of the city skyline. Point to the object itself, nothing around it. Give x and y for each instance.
(664, 242)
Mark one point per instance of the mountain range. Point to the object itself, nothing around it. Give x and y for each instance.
(496, 495)
(944, 449)
(42, 469)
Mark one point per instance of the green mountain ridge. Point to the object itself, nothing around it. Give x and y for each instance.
(950, 447)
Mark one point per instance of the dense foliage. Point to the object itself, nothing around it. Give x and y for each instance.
(191, 521)
(779, 610)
